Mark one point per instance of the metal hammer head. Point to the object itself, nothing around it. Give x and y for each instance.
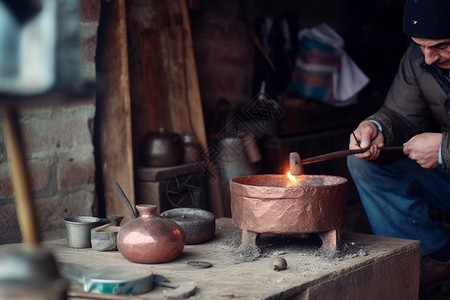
(295, 164)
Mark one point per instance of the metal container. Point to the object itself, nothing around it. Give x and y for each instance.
(273, 204)
(104, 237)
(115, 220)
(79, 230)
(191, 150)
(150, 238)
(199, 225)
(162, 149)
(28, 272)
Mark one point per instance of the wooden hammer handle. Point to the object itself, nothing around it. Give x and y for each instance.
(343, 153)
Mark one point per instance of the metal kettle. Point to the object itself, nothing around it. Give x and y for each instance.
(162, 149)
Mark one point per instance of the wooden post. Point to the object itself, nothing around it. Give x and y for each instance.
(21, 182)
(165, 89)
(113, 107)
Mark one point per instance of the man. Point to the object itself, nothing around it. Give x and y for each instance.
(398, 193)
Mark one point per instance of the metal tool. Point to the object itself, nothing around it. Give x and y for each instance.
(295, 163)
(124, 198)
(344, 153)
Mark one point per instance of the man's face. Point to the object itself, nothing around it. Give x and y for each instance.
(436, 51)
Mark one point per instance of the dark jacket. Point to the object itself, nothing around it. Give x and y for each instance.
(417, 101)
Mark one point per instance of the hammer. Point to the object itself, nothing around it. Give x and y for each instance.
(296, 164)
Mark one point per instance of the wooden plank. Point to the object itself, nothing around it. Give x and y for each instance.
(180, 37)
(114, 114)
(165, 89)
(369, 267)
(192, 83)
(150, 87)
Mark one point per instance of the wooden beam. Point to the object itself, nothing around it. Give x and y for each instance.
(113, 107)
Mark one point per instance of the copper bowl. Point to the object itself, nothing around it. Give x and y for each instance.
(273, 204)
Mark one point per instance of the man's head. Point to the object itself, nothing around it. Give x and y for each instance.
(427, 22)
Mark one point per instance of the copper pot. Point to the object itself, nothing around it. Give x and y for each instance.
(271, 203)
(162, 149)
(150, 238)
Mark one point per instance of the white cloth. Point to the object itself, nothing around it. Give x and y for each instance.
(349, 79)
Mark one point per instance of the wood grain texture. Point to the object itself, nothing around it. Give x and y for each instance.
(164, 86)
(370, 267)
(114, 107)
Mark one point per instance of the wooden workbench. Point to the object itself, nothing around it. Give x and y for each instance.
(365, 267)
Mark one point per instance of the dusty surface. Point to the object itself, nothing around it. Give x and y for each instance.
(235, 268)
(305, 247)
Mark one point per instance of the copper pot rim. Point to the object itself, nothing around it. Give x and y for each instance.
(274, 187)
(276, 180)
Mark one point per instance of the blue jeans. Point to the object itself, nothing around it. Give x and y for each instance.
(396, 197)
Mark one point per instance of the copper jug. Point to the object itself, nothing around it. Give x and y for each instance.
(150, 238)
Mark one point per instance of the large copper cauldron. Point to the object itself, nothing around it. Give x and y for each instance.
(274, 204)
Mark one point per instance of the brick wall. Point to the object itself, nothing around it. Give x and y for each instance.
(59, 152)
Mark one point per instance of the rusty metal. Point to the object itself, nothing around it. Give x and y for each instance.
(273, 204)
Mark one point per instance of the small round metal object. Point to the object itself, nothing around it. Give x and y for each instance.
(199, 264)
(279, 263)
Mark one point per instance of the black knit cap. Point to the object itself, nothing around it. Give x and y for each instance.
(427, 18)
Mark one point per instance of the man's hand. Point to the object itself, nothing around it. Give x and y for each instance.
(368, 136)
(424, 149)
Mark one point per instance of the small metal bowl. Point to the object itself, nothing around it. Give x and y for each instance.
(104, 238)
(199, 225)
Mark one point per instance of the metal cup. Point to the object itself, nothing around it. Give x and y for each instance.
(79, 230)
